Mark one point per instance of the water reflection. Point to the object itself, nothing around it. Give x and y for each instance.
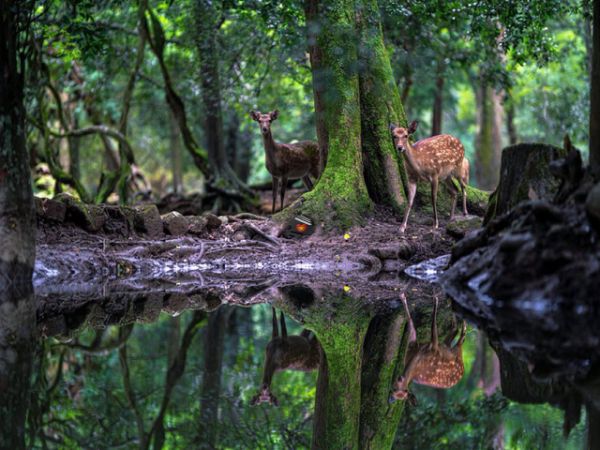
(169, 368)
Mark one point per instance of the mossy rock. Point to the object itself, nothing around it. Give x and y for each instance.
(460, 226)
(89, 217)
(524, 175)
(147, 220)
(174, 223)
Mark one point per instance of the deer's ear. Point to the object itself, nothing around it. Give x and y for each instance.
(393, 126)
(254, 114)
(413, 127)
(274, 114)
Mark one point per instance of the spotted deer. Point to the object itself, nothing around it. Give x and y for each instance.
(286, 161)
(431, 364)
(434, 159)
(286, 353)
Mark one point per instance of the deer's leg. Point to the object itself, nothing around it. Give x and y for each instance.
(463, 189)
(412, 190)
(284, 181)
(275, 186)
(283, 327)
(434, 334)
(463, 334)
(453, 193)
(275, 330)
(434, 191)
(307, 182)
(412, 333)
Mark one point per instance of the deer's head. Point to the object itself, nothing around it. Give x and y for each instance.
(401, 392)
(401, 134)
(264, 120)
(264, 396)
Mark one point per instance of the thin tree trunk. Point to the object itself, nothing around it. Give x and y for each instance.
(595, 96)
(207, 16)
(176, 156)
(489, 136)
(438, 99)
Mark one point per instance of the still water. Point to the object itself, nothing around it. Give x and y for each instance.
(240, 364)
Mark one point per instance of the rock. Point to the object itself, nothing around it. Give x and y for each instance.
(224, 220)
(592, 205)
(400, 250)
(50, 209)
(119, 220)
(213, 221)
(460, 226)
(524, 175)
(147, 220)
(197, 224)
(174, 223)
(89, 217)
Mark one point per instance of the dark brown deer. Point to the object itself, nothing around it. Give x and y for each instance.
(430, 364)
(434, 159)
(286, 353)
(286, 161)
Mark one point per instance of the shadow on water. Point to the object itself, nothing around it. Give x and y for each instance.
(286, 363)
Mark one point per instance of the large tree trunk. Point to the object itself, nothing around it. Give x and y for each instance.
(489, 136)
(17, 231)
(362, 99)
(595, 96)
(340, 198)
(379, 106)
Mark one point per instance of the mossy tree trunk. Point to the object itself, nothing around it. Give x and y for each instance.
(489, 136)
(595, 95)
(340, 198)
(380, 105)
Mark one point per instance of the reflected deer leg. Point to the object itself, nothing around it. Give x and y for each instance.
(283, 327)
(275, 186)
(307, 182)
(434, 191)
(463, 334)
(412, 190)
(275, 332)
(412, 332)
(284, 181)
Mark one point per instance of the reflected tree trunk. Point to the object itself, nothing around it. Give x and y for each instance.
(211, 382)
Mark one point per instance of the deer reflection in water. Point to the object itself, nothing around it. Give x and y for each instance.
(295, 352)
(430, 364)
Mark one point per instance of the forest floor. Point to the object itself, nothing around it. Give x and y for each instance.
(101, 275)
